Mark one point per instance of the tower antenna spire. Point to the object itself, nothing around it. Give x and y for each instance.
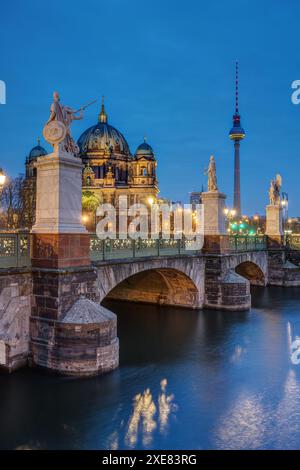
(236, 87)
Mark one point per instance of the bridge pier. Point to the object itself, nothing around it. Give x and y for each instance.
(282, 272)
(64, 283)
(224, 289)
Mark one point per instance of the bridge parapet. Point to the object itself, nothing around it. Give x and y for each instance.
(15, 247)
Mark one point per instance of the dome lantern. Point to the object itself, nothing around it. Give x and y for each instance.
(102, 115)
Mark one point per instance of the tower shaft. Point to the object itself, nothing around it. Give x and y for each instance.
(237, 183)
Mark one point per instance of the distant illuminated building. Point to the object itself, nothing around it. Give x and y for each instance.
(195, 197)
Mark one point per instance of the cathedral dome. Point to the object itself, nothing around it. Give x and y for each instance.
(102, 138)
(36, 152)
(144, 150)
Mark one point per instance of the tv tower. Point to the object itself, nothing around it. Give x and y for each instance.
(237, 134)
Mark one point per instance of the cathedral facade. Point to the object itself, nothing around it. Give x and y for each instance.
(110, 171)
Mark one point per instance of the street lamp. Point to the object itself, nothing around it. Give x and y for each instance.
(2, 178)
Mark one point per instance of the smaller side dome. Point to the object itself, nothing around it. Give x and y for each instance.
(144, 150)
(37, 151)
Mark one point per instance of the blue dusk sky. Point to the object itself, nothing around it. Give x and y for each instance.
(166, 68)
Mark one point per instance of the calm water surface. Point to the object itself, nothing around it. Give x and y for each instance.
(187, 379)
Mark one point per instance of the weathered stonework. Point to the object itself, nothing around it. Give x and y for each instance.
(55, 291)
(274, 226)
(81, 345)
(173, 281)
(214, 217)
(224, 289)
(15, 307)
(216, 244)
(59, 193)
(253, 265)
(281, 271)
(60, 250)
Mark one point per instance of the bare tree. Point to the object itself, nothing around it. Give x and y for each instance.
(12, 203)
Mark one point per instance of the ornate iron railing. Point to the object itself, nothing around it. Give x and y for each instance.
(14, 250)
(15, 247)
(293, 241)
(102, 250)
(247, 242)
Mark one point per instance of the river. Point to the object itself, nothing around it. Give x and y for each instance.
(187, 380)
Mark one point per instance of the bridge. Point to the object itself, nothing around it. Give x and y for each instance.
(35, 300)
(54, 279)
(168, 272)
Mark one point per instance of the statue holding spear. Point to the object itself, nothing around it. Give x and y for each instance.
(57, 129)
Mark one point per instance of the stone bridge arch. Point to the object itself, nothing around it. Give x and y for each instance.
(165, 281)
(251, 265)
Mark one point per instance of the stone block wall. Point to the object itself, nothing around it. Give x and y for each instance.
(74, 349)
(282, 272)
(60, 250)
(224, 289)
(15, 310)
(55, 291)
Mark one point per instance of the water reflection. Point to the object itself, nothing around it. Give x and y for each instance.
(243, 425)
(238, 354)
(144, 419)
(288, 414)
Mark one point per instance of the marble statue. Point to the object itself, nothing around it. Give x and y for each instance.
(57, 129)
(212, 176)
(275, 191)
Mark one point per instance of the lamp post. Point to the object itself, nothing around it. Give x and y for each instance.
(2, 182)
(256, 222)
(2, 179)
(229, 214)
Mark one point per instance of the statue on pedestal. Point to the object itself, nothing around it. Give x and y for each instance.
(275, 191)
(57, 129)
(212, 175)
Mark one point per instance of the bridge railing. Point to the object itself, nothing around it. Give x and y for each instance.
(247, 242)
(293, 241)
(102, 250)
(14, 249)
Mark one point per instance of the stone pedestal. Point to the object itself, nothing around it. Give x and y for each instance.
(215, 235)
(63, 276)
(274, 226)
(58, 237)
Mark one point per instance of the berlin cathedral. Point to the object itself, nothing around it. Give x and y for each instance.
(110, 170)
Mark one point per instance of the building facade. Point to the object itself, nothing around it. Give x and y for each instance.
(29, 185)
